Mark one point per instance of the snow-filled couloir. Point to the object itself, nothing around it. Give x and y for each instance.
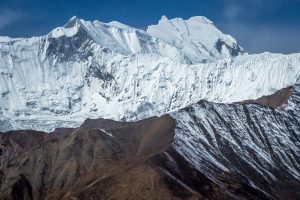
(93, 69)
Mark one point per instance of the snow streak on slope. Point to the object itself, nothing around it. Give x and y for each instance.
(94, 69)
(261, 144)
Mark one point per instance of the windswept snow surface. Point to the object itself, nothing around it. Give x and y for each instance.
(94, 69)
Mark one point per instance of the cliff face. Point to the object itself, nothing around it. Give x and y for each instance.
(204, 151)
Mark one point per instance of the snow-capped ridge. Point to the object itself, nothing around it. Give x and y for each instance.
(69, 29)
(119, 25)
(5, 39)
(175, 39)
(95, 69)
(197, 37)
(195, 40)
(115, 36)
(72, 22)
(195, 19)
(200, 19)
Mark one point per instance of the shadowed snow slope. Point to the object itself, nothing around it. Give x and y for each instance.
(94, 69)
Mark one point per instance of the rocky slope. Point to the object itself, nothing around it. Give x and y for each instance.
(258, 144)
(204, 151)
(94, 69)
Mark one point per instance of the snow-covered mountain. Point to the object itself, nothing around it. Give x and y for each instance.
(94, 69)
(197, 38)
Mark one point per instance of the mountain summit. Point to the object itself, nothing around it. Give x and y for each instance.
(197, 37)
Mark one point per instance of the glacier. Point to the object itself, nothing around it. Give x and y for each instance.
(93, 69)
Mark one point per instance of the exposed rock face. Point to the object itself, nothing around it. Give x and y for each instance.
(13, 144)
(277, 100)
(204, 151)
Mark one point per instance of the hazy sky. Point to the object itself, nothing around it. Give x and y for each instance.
(258, 25)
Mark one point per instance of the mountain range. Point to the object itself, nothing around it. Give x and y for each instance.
(110, 70)
(97, 110)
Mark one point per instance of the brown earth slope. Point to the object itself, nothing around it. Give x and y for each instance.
(62, 166)
(276, 100)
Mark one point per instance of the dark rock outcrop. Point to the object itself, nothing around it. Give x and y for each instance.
(276, 100)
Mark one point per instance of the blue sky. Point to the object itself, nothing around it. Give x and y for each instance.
(258, 25)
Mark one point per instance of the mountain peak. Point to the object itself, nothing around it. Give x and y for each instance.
(72, 22)
(69, 29)
(164, 18)
(197, 37)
